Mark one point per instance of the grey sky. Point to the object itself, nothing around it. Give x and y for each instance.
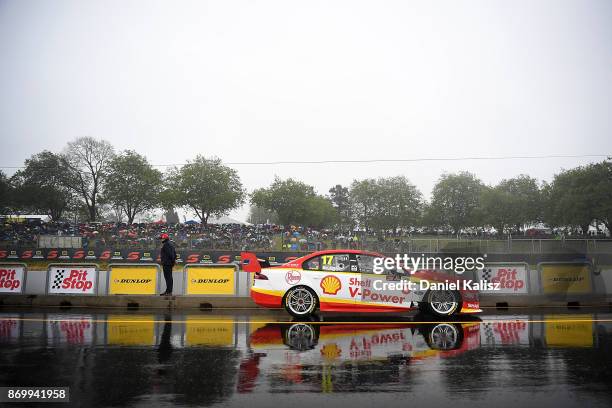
(260, 80)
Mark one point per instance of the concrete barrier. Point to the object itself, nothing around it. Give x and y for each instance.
(36, 287)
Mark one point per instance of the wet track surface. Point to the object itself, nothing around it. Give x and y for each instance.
(253, 358)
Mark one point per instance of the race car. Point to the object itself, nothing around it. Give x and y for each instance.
(344, 281)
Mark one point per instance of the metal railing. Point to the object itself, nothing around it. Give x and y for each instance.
(404, 245)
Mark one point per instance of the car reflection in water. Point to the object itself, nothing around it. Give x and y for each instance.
(358, 353)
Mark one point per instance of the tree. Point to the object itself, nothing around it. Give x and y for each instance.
(205, 186)
(455, 201)
(566, 201)
(295, 203)
(133, 185)
(340, 198)
(386, 203)
(496, 211)
(88, 160)
(601, 174)
(40, 187)
(399, 203)
(524, 203)
(579, 196)
(321, 212)
(5, 193)
(363, 201)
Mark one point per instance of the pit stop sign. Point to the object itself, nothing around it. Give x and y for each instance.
(12, 278)
(72, 280)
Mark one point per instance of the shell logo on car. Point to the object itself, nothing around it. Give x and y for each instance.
(331, 285)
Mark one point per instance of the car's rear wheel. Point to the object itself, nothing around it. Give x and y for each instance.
(442, 302)
(300, 301)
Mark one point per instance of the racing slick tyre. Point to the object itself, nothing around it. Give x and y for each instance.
(443, 336)
(441, 303)
(300, 302)
(300, 336)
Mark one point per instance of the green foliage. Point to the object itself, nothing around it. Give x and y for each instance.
(601, 176)
(205, 186)
(511, 204)
(133, 185)
(455, 201)
(41, 187)
(580, 196)
(6, 195)
(295, 203)
(386, 203)
(340, 198)
(525, 201)
(496, 208)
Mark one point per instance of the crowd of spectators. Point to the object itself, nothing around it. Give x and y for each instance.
(192, 235)
(143, 235)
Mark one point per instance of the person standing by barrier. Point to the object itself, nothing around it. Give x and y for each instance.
(167, 259)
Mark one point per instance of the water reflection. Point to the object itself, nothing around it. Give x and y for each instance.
(117, 359)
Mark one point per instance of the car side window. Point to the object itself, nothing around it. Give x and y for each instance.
(313, 264)
(365, 263)
(336, 263)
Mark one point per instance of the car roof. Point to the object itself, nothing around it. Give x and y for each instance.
(342, 251)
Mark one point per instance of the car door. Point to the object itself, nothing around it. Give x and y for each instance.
(376, 291)
(330, 276)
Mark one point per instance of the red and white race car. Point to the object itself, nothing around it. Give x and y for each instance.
(344, 281)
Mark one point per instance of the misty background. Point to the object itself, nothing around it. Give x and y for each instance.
(259, 81)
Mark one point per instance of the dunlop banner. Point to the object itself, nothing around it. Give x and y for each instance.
(12, 278)
(209, 332)
(129, 330)
(133, 279)
(210, 280)
(561, 278)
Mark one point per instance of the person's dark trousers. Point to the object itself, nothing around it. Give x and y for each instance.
(168, 277)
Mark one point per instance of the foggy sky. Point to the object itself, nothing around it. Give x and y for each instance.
(312, 80)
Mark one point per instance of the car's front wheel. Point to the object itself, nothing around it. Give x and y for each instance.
(442, 302)
(300, 301)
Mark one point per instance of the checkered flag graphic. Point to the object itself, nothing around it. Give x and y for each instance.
(486, 274)
(57, 282)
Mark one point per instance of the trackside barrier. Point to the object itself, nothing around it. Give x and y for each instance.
(561, 278)
(72, 279)
(133, 279)
(211, 279)
(513, 277)
(13, 276)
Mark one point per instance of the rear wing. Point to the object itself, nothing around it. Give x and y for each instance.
(250, 263)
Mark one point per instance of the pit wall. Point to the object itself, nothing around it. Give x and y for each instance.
(545, 280)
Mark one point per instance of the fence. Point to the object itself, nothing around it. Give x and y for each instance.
(489, 246)
(406, 245)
